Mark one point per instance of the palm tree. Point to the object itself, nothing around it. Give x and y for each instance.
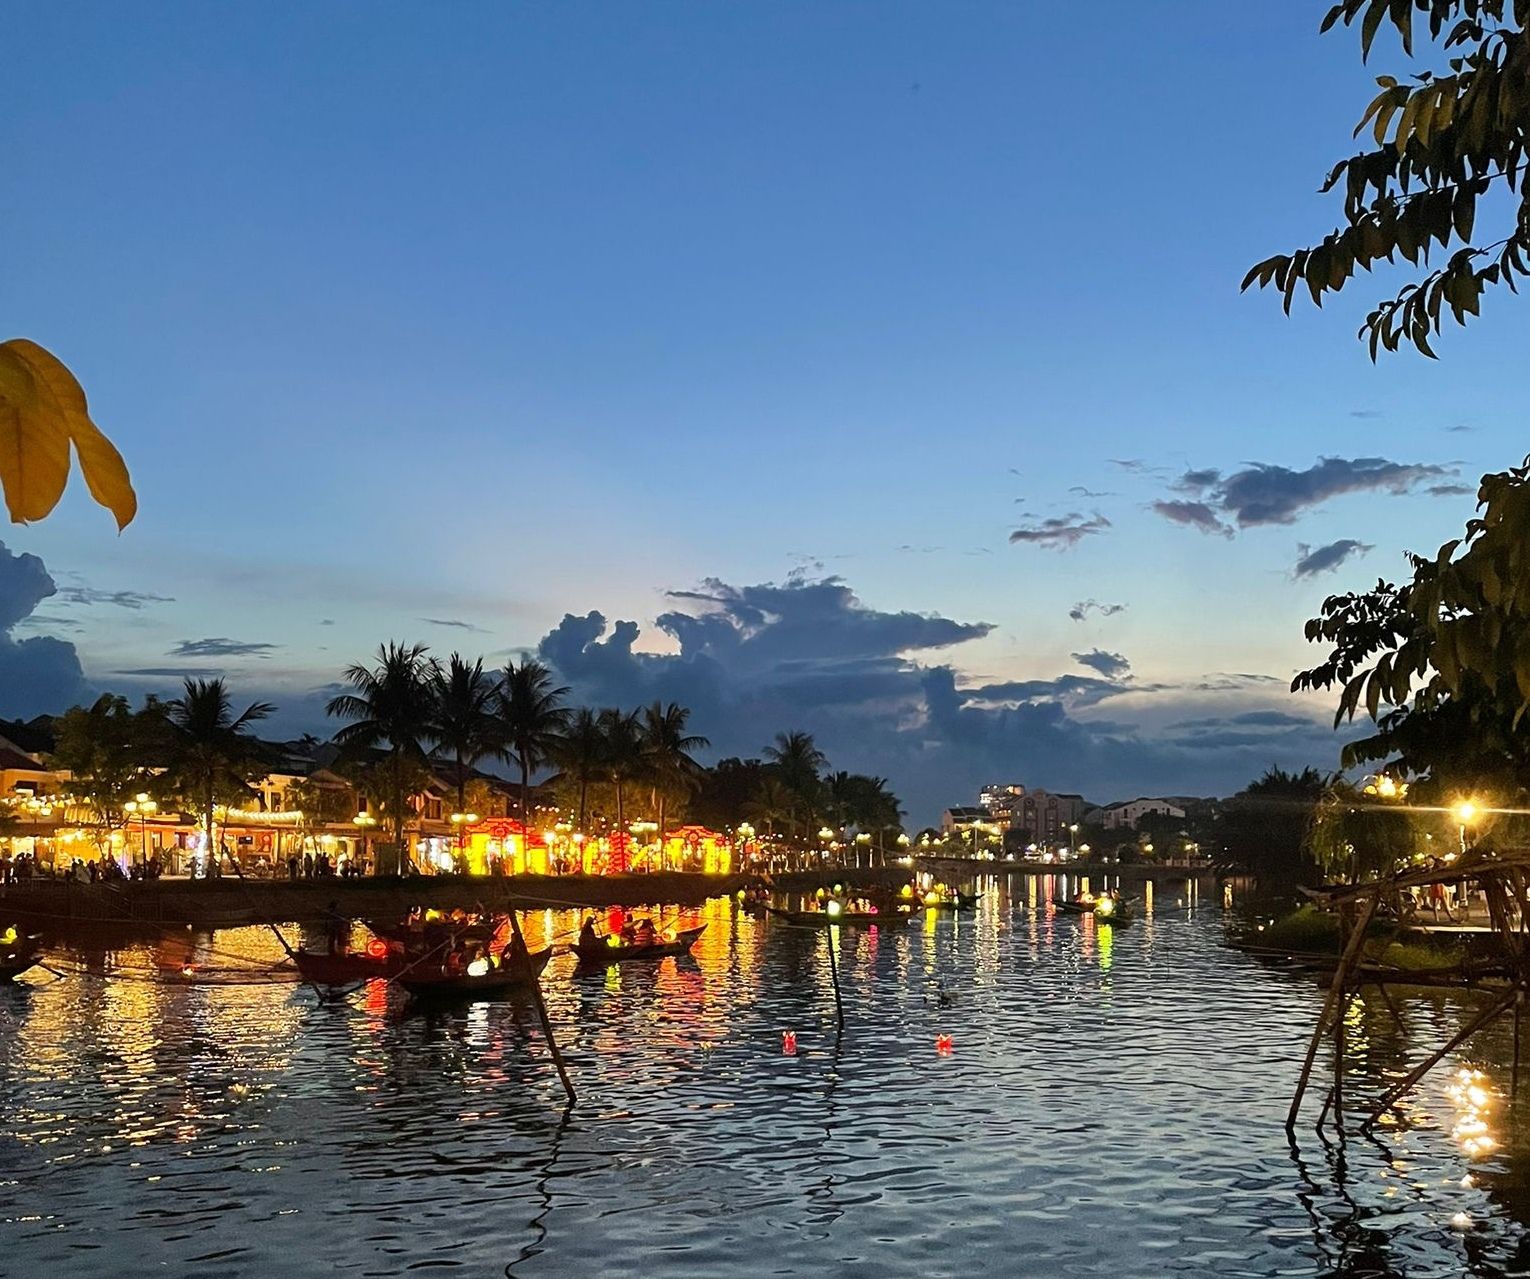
(462, 717)
(621, 754)
(798, 761)
(665, 744)
(580, 753)
(772, 804)
(393, 704)
(211, 753)
(531, 721)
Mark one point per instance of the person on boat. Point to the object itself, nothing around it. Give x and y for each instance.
(336, 926)
(589, 939)
(643, 934)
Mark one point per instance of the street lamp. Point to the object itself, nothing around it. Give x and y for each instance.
(1072, 835)
(1466, 813)
(141, 806)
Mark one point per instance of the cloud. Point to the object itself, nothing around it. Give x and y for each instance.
(1325, 559)
(1197, 481)
(1460, 428)
(1083, 608)
(1061, 532)
(1111, 665)
(1366, 413)
(1089, 492)
(1264, 494)
(1195, 514)
(89, 596)
(172, 672)
(221, 648)
(880, 695)
(41, 674)
(452, 622)
(1450, 490)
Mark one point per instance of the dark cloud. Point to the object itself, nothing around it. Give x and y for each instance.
(870, 686)
(1262, 719)
(1265, 494)
(1366, 413)
(328, 621)
(1460, 428)
(41, 674)
(1325, 559)
(919, 550)
(1061, 532)
(1083, 608)
(1112, 666)
(1081, 491)
(1450, 490)
(220, 647)
(1197, 481)
(1195, 514)
(452, 622)
(88, 596)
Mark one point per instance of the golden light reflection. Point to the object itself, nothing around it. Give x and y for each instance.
(1471, 1093)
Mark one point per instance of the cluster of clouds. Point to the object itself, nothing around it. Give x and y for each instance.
(39, 674)
(1223, 504)
(880, 694)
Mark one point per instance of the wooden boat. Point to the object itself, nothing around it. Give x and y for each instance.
(1120, 916)
(17, 954)
(855, 918)
(957, 901)
(603, 953)
(1075, 908)
(345, 970)
(497, 979)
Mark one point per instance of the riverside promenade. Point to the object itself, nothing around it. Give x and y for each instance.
(64, 906)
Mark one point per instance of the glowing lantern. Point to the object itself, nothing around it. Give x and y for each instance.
(834, 908)
(789, 1043)
(943, 1045)
(478, 968)
(377, 949)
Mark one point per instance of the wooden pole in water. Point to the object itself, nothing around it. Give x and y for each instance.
(536, 988)
(839, 1007)
(1423, 1068)
(1339, 985)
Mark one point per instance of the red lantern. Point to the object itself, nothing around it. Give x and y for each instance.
(377, 949)
(619, 861)
(943, 1045)
(789, 1043)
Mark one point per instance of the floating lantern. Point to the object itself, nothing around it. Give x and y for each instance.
(1461, 1221)
(943, 1045)
(789, 1043)
(478, 968)
(187, 970)
(834, 909)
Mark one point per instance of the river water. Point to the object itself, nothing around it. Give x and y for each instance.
(1112, 1104)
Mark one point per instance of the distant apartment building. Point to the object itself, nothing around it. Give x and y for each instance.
(957, 819)
(1126, 815)
(1020, 814)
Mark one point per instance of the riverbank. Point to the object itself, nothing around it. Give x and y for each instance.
(63, 906)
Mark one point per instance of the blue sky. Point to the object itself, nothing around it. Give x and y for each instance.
(491, 314)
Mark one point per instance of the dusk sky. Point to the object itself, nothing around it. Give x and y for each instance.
(883, 364)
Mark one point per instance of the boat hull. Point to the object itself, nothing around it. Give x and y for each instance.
(462, 986)
(603, 955)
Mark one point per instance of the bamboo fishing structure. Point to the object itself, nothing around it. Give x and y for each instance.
(1500, 877)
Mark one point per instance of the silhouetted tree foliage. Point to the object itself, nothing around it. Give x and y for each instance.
(1264, 826)
(1441, 663)
(1441, 144)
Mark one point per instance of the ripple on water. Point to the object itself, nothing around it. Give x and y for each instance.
(1112, 1104)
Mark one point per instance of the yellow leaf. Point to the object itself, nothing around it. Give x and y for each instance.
(34, 446)
(58, 416)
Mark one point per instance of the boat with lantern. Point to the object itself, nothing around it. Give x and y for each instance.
(480, 978)
(380, 959)
(18, 952)
(1112, 910)
(829, 917)
(611, 949)
(951, 901)
(1075, 907)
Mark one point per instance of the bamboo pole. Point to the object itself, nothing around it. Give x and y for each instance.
(1391, 1095)
(536, 988)
(839, 1007)
(1339, 985)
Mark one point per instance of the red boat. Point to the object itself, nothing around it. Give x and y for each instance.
(347, 969)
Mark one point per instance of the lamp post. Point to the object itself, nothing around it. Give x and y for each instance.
(862, 841)
(1072, 836)
(141, 806)
(364, 823)
(1465, 813)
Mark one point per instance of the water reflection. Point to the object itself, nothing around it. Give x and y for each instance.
(1112, 1102)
